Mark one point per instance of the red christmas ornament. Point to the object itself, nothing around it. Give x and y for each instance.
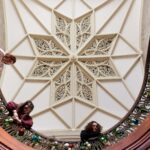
(70, 145)
(21, 131)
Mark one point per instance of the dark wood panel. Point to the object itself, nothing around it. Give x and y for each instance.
(138, 140)
(10, 143)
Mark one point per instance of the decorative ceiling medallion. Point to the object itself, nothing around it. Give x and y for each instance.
(73, 73)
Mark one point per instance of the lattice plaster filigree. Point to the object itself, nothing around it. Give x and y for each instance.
(98, 47)
(63, 85)
(100, 68)
(84, 85)
(46, 68)
(63, 30)
(48, 47)
(83, 31)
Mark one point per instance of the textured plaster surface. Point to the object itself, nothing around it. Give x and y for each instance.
(145, 31)
(2, 31)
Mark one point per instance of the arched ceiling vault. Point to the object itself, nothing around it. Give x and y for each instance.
(72, 62)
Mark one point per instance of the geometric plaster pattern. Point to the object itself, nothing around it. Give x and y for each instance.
(75, 59)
